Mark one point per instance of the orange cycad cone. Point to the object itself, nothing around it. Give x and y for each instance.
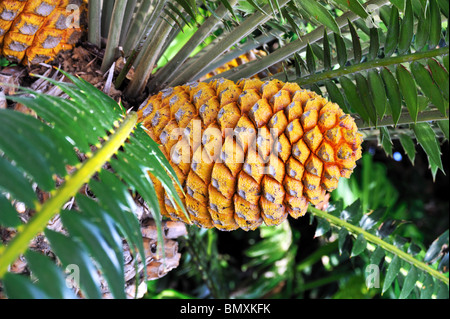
(249, 152)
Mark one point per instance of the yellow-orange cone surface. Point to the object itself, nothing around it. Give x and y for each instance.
(34, 31)
(249, 152)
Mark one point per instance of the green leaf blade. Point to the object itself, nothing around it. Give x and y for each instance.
(353, 98)
(21, 287)
(369, 220)
(436, 246)
(50, 277)
(80, 227)
(374, 45)
(357, 52)
(440, 77)
(406, 29)
(366, 97)
(343, 239)
(392, 272)
(428, 287)
(310, 60)
(444, 127)
(320, 13)
(326, 51)
(359, 245)
(377, 256)
(427, 139)
(378, 93)
(355, 7)
(62, 115)
(393, 94)
(73, 257)
(31, 158)
(428, 87)
(13, 181)
(386, 141)
(409, 146)
(335, 95)
(409, 91)
(121, 208)
(8, 215)
(435, 25)
(423, 31)
(341, 50)
(391, 42)
(409, 283)
(322, 227)
(443, 292)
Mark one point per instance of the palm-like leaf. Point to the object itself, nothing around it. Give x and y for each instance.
(392, 75)
(395, 77)
(98, 226)
(357, 224)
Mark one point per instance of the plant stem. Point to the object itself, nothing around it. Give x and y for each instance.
(355, 230)
(123, 73)
(249, 69)
(128, 15)
(144, 21)
(199, 36)
(324, 281)
(147, 59)
(405, 118)
(72, 184)
(244, 29)
(315, 78)
(115, 29)
(236, 52)
(107, 9)
(94, 30)
(194, 243)
(317, 255)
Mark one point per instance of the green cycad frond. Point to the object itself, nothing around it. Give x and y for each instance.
(356, 225)
(386, 74)
(392, 76)
(366, 220)
(272, 259)
(37, 152)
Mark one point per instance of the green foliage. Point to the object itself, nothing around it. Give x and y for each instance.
(386, 63)
(381, 61)
(391, 82)
(273, 258)
(387, 66)
(33, 152)
(361, 56)
(405, 262)
(4, 62)
(362, 251)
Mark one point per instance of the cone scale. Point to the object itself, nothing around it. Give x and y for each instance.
(34, 31)
(250, 152)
